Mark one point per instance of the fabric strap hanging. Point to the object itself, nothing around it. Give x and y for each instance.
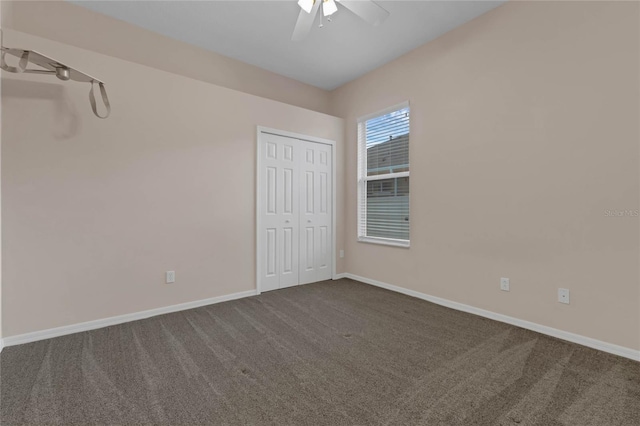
(22, 64)
(60, 70)
(105, 100)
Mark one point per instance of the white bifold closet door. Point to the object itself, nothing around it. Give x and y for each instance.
(294, 204)
(315, 212)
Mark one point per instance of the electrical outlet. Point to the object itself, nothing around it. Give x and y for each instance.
(341, 254)
(504, 284)
(563, 295)
(170, 277)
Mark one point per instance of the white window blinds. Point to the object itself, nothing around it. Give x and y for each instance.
(383, 177)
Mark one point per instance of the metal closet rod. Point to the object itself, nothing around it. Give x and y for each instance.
(51, 66)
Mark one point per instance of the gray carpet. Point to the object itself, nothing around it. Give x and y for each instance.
(330, 353)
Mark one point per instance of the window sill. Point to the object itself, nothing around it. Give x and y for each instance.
(385, 242)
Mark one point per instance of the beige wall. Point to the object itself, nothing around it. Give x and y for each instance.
(1, 342)
(77, 26)
(524, 130)
(94, 211)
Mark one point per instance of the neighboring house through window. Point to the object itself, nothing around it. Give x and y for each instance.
(383, 177)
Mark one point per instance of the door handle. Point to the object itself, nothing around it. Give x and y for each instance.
(287, 221)
(309, 221)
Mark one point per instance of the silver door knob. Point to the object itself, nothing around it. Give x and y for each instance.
(287, 221)
(309, 221)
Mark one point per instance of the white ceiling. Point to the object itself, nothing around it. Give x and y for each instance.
(259, 32)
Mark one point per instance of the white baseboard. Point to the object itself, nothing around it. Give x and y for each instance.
(92, 325)
(105, 322)
(543, 329)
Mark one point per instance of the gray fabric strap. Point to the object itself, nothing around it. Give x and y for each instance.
(105, 100)
(22, 64)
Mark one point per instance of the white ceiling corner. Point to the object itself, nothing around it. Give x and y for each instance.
(259, 32)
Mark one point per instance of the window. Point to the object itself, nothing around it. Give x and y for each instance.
(383, 177)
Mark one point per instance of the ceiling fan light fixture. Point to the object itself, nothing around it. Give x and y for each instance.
(306, 5)
(329, 7)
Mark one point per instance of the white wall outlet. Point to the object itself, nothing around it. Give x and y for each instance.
(170, 277)
(563, 295)
(341, 254)
(504, 284)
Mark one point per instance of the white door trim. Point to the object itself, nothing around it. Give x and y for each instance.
(292, 135)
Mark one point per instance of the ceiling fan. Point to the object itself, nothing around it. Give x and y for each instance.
(365, 9)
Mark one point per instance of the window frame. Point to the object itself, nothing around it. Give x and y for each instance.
(363, 179)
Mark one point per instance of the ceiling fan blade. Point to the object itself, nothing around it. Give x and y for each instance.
(305, 22)
(367, 10)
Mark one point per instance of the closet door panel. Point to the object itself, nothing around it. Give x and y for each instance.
(279, 210)
(316, 213)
